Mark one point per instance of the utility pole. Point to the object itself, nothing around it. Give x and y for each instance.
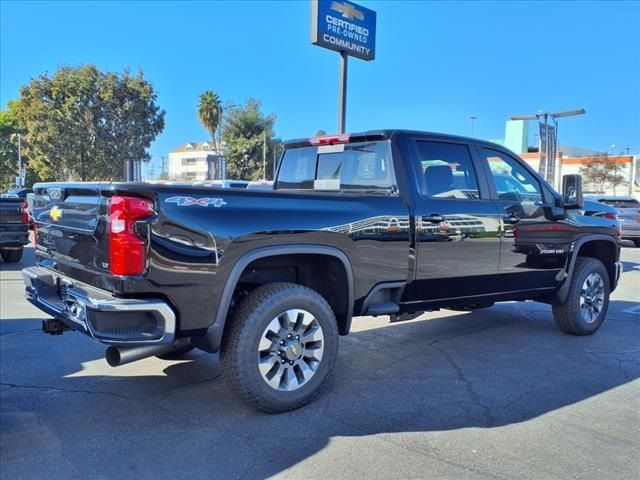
(20, 164)
(264, 155)
(163, 160)
(473, 118)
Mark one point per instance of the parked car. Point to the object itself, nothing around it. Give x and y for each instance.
(228, 183)
(14, 228)
(600, 210)
(628, 211)
(260, 185)
(361, 224)
(20, 193)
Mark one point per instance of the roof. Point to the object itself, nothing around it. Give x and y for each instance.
(385, 134)
(195, 147)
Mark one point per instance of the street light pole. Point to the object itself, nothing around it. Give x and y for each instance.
(547, 167)
(223, 161)
(473, 118)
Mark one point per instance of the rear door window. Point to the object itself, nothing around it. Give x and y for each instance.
(447, 171)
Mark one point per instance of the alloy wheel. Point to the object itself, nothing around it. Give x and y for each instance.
(290, 350)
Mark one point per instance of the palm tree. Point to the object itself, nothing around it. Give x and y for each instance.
(210, 112)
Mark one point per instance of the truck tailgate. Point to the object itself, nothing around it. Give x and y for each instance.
(10, 211)
(69, 222)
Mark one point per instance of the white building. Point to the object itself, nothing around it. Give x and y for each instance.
(196, 161)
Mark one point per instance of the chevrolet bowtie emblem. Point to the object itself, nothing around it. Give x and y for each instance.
(55, 213)
(347, 10)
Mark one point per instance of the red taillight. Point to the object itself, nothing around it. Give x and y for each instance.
(330, 139)
(611, 216)
(25, 212)
(127, 249)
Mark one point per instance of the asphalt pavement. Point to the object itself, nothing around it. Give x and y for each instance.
(497, 393)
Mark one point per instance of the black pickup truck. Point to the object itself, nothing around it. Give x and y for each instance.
(14, 228)
(387, 222)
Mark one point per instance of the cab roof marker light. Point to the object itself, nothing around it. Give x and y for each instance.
(330, 139)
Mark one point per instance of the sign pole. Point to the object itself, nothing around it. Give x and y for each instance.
(342, 92)
(347, 28)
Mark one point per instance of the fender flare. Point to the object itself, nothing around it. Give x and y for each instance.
(213, 338)
(563, 291)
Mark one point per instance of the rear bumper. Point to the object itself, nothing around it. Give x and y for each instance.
(14, 238)
(631, 232)
(99, 314)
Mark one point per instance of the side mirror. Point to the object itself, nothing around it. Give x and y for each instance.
(572, 198)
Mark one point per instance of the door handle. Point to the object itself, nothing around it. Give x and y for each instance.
(511, 219)
(433, 218)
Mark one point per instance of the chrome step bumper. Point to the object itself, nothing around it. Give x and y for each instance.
(98, 313)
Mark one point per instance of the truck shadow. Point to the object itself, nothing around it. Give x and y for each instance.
(28, 259)
(485, 369)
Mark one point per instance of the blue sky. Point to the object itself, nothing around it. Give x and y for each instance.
(436, 64)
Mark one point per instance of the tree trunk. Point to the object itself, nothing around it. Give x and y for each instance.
(82, 170)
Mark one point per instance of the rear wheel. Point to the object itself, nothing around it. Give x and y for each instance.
(281, 347)
(586, 305)
(11, 256)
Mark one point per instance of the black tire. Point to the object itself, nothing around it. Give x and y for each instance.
(568, 315)
(177, 353)
(11, 256)
(240, 348)
(636, 242)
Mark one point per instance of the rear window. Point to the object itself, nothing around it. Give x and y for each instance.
(618, 203)
(363, 166)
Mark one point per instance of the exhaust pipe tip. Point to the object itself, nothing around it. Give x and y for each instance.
(112, 356)
(116, 356)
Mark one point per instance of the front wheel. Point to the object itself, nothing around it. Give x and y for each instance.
(11, 256)
(586, 305)
(281, 347)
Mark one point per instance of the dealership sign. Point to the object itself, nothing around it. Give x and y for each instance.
(344, 27)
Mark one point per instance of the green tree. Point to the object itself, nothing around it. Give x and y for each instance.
(245, 132)
(320, 133)
(210, 112)
(9, 129)
(84, 124)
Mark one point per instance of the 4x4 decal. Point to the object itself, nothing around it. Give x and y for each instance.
(202, 202)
